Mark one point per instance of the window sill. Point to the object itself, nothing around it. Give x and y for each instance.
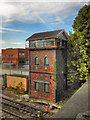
(46, 92)
(46, 64)
(37, 90)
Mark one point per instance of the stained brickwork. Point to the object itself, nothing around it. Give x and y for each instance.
(51, 71)
(41, 93)
(44, 75)
(41, 54)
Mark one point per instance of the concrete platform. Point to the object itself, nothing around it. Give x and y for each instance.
(78, 103)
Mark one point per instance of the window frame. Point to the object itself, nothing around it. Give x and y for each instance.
(11, 56)
(47, 91)
(45, 63)
(36, 62)
(36, 83)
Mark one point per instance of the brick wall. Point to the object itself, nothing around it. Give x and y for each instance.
(41, 93)
(42, 76)
(41, 54)
(13, 81)
(15, 59)
(7, 52)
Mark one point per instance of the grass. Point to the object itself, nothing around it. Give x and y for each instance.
(17, 90)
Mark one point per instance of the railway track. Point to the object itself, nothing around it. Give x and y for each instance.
(21, 110)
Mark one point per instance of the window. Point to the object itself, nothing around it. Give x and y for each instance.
(43, 42)
(36, 86)
(52, 43)
(22, 54)
(47, 43)
(46, 86)
(11, 55)
(8, 55)
(39, 43)
(35, 43)
(22, 62)
(46, 62)
(31, 44)
(36, 61)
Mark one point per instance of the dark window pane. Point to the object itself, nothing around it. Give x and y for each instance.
(46, 61)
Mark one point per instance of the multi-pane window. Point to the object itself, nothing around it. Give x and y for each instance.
(39, 43)
(36, 86)
(46, 87)
(36, 60)
(42, 43)
(52, 42)
(35, 43)
(31, 44)
(46, 61)
(22, 54)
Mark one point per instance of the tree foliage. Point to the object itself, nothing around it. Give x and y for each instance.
(78, 47)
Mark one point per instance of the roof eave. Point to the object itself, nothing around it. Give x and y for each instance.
(40, 38)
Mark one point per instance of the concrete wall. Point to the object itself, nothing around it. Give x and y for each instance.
(15, 71)
(61, 63)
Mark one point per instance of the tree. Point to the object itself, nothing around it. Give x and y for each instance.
(78, 44)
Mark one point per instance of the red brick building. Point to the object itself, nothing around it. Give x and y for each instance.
(15, 56)
(47, 64)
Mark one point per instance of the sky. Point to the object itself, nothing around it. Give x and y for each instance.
(19, 19)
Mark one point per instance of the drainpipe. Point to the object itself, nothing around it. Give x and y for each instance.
(29, 82)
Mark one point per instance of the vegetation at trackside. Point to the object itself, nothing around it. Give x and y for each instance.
(18, 90)
(78, 47)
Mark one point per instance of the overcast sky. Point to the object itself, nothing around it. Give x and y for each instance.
(20, 19)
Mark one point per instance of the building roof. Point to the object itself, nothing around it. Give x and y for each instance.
(45, 35)
(14, 49)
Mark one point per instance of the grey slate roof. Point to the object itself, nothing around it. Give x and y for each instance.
(43, 35)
